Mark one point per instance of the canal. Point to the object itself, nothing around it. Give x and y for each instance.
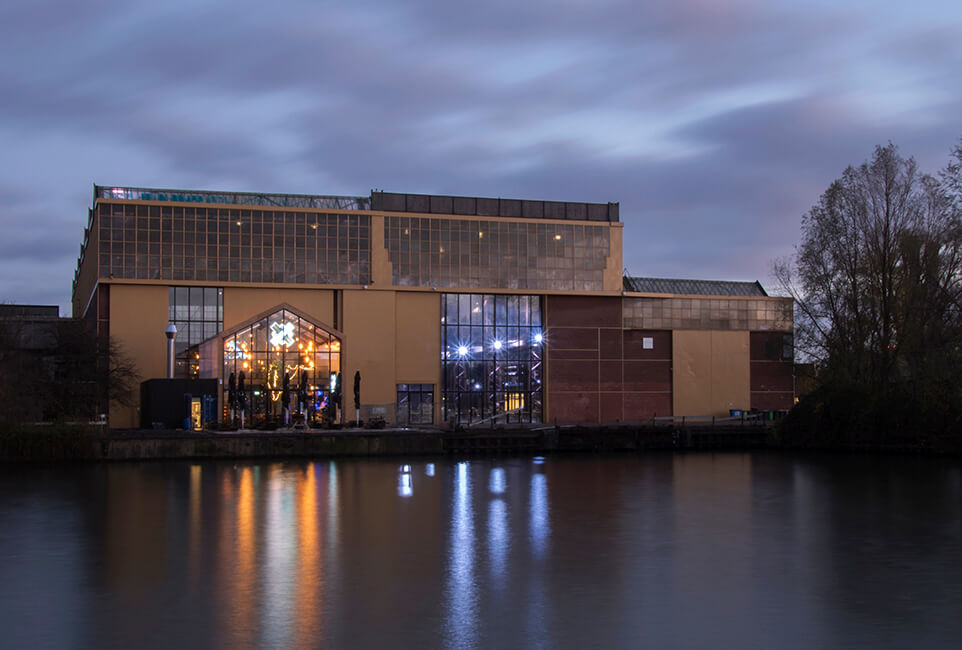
(660, 550)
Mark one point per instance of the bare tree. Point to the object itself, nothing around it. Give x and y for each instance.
(877, 277)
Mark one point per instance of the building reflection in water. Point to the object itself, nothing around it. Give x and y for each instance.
(280, 546)
(539, 529)
(195, 531)
(309, 619)
(239, 569)
(539, 532)
(496, 483)
(497, 539)
(497, 525)
(573, 552)
(405, 486)
(461, 615)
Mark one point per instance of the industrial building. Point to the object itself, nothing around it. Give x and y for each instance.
(450, 308)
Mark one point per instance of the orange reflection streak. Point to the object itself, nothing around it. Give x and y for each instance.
(309, 609)
(244, 576)
(196, 533)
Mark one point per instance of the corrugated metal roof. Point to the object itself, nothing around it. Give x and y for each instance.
(694, 287)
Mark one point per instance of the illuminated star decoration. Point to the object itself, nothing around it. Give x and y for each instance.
(282, 334)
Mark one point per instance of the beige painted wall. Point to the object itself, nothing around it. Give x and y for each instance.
(240, 304)
(418, 342)
(613, 279)
(138, 318)
(710, 372)
(369, 346)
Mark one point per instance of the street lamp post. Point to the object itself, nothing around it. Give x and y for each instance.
(171, 333)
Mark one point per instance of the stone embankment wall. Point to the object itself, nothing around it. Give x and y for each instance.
(149, 445)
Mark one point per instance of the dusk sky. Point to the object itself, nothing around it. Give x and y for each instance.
(716, 125)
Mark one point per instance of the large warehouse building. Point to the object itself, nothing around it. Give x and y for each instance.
(451, 308)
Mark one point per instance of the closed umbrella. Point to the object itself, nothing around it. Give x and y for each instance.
(357, 396)
(242, 396)
(232, 393)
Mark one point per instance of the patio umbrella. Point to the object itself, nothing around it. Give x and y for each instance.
(357, 396)
(357, 389)
(231, 391)
(242, 396)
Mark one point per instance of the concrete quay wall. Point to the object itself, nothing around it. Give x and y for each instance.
(180, 445)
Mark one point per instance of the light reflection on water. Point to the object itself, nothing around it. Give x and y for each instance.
(694, 550)
(461, 611)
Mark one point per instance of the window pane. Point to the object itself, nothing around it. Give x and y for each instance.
(196, 303)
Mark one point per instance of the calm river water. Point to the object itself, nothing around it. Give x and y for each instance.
(659, 550)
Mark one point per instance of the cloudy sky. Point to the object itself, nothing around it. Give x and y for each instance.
(715, 123)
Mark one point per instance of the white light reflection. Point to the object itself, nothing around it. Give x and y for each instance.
(332, 532)
(405, 483)
(540, 529)
(496, 483)
(539, 533)
(280, 539)
(429, 470)
(462, 597)
(497, 536)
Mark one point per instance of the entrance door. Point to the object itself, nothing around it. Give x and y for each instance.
(195, 413)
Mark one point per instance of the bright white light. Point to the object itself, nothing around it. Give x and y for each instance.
(429, 470)
(462, 350)
(282, 334)
(477, 387)
(497, 345)
(538, 338)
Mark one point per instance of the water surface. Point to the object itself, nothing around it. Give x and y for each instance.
(658, 550)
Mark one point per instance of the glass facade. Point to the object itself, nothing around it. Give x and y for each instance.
(470, 253)
(280, 349)
(202, 244)
(198, 314)
(415, 404)
(753, 314)
(491, 358)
